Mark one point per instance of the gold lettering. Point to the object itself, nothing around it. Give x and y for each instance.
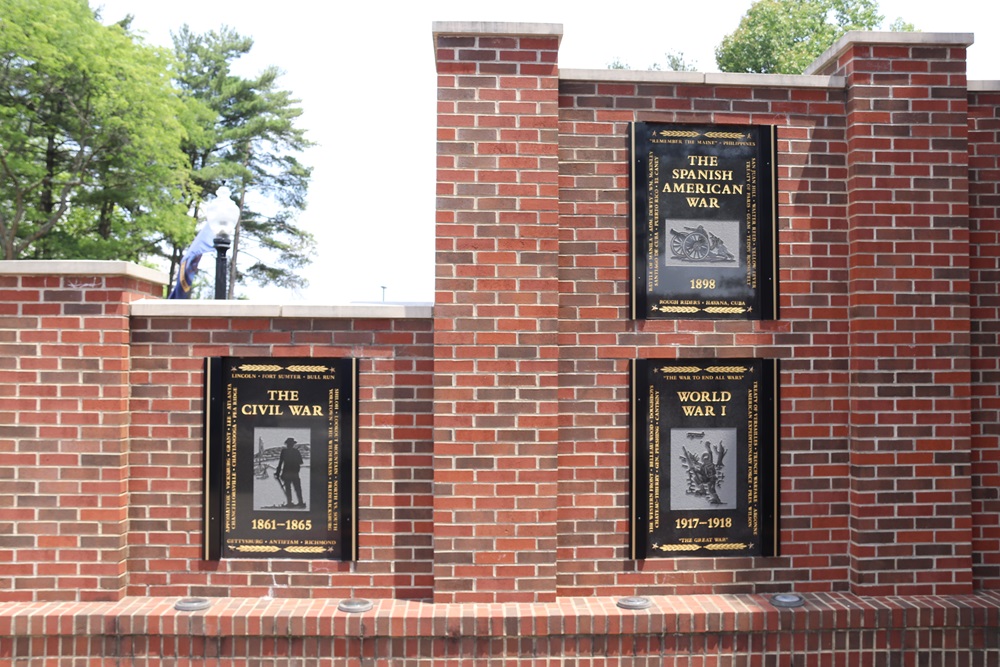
(262, 409)
(282, 395)
(306, 410)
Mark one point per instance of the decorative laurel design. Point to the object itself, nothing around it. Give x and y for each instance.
(677, 547)
(678, 133)
(259, 367)
(679, 369)
(308, 369)
(256, 548)
(306, 550)
(726, 135)
(725, 309)
(727, 545)
(677, 309)
(726, 369)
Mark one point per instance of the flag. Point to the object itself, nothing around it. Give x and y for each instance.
(189, 263)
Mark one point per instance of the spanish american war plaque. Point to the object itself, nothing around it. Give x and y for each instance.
(704, 458)
(280, 458)
(704, 222)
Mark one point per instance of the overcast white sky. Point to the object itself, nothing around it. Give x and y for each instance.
(364, 72)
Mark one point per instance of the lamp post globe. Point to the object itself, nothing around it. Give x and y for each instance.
(223, 215)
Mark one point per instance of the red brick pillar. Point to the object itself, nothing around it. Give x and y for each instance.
(495, 315)
(64, 416)
(908, 234)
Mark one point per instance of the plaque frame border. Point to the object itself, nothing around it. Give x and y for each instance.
(213, 457)
(767, 265)
(769, 451)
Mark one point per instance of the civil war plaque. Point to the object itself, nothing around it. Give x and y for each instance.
(280, 458)
(704, 221)
(704, 458)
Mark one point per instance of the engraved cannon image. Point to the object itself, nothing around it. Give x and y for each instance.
(696, 244)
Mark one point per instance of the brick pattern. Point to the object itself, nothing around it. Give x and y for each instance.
(597, 339)
(394, 450)
(64, 353)
(494, 439)
(908, 235)
(495, 338)
(707, 631)
(984, 246)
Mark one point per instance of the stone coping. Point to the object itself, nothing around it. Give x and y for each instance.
(902, 38)
(213, 308)
(78, 267)
(728, 79)
(495, 28)
(991, 86)
(680, 614)
(703, 78)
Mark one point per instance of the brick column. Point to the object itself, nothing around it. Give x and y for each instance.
(64, 414)
(495, 316)
(908, 235)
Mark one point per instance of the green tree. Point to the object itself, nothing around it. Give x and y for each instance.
(247, 139)
(786, 36)
(675, 62)
(90, 159)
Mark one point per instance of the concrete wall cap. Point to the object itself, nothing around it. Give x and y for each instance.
(700, 78)
(73, 267)
(495, 29)
(902, 38)
(984, 86)
(213, 308)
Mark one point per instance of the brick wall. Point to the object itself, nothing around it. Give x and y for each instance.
(495, 340)
(64, 413)
(597, 338)
(494, 434)
(984, 261)
(394, 455)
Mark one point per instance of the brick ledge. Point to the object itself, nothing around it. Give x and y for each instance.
(692, 614)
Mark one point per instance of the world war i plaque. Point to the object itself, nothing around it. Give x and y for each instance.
(704, 222)
(704, 458)
(280, 458)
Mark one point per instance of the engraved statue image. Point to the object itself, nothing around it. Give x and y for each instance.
(696, 244)
(705, 474)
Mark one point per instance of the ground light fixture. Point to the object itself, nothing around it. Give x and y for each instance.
(787, 600)
(354, 605)
(193, 604)
(634, 602)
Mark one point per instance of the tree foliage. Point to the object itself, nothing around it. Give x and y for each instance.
(786, 36)
(675, 61)
(246, 138)
(90, 160)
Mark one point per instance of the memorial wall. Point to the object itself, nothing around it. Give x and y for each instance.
(698, 339)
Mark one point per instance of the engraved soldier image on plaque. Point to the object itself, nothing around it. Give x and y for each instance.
(704, 458)
(270, 490)
(704, 221)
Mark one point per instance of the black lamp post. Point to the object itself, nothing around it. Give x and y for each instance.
(222, 242)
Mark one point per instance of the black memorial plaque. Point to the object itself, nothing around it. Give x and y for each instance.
(292, 416)
(704, 458)
(704, 222)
